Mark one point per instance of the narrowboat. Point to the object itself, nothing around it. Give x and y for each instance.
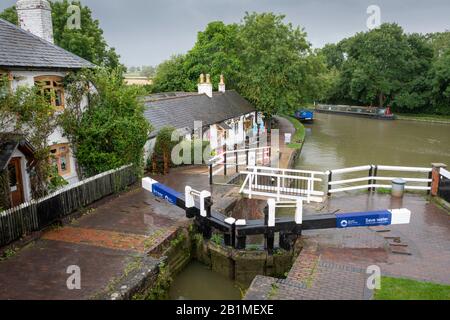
(370, 112)
(304, 115)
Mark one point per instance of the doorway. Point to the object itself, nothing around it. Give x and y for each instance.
(15, 181)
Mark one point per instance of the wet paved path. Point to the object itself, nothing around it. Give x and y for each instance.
(333, 265)
(102, 243)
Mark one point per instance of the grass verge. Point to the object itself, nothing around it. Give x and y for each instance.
(424, 117)
(406, 289)
(299, 136)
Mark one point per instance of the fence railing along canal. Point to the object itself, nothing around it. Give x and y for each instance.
(372, 177)
(312, 186)
(38, 214)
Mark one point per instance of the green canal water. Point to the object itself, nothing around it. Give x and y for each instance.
(333, 142)
(198, 282)
(336, 141)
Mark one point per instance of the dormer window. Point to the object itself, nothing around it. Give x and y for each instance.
(52, 89)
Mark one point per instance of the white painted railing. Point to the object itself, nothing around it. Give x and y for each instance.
(444, 173)
(238, 158)
(373, 177)
(282, 184)
(273, 205)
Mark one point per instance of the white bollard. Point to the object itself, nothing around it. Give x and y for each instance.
(272, 207)
(299, 212)
(189, 197)
(204, 194)
(400, 216)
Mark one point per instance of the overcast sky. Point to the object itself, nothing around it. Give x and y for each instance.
(146, 32)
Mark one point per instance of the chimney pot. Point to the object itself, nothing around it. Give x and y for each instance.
(222, 84)
(205, 87)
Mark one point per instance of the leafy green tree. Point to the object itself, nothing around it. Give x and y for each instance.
(148, 71)
(214, 53)
(87, 42)
(381, 67)
(111, 131)
(10, 14)
(26, 112)
(441, 84)
(171, 76)
(440, 41)
(277, 63)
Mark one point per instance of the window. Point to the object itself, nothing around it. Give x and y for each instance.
(52, 88)
(60, 154)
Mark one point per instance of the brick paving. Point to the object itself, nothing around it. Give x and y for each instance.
(103, 243)
(334, 262)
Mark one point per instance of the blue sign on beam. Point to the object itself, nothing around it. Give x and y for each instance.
(162, 191)
(363, 219)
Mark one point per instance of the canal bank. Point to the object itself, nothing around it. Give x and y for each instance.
(333, 263)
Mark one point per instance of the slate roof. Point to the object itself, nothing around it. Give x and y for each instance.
(19, 48)
(181, 110)
(9, 144)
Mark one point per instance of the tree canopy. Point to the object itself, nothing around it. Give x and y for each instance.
(269, 61)
(87, 42)
(386, 66)
(111, 130)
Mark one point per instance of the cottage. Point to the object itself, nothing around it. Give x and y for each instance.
(28, 57)
(224, 115)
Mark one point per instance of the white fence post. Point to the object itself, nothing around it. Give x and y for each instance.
(299, 212)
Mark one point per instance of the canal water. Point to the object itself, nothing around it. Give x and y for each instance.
(198, 282)
(334, 142)
(337, 141)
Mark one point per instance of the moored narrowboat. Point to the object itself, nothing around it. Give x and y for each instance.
(371, 112)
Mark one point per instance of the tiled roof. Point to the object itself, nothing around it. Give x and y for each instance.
(19, 48)
(8, 144)
(180, 111)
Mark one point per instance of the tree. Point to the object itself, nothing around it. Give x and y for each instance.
(381, 67)
(171, 76)
(148, 71)
(440, 80)
(10, 15)
(87, 42)
(268, 61)
(111, 130)
(29, 114)
(214, 53)
(277, 63)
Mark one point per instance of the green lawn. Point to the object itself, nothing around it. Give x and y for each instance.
(405, 289)
(299, 135)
